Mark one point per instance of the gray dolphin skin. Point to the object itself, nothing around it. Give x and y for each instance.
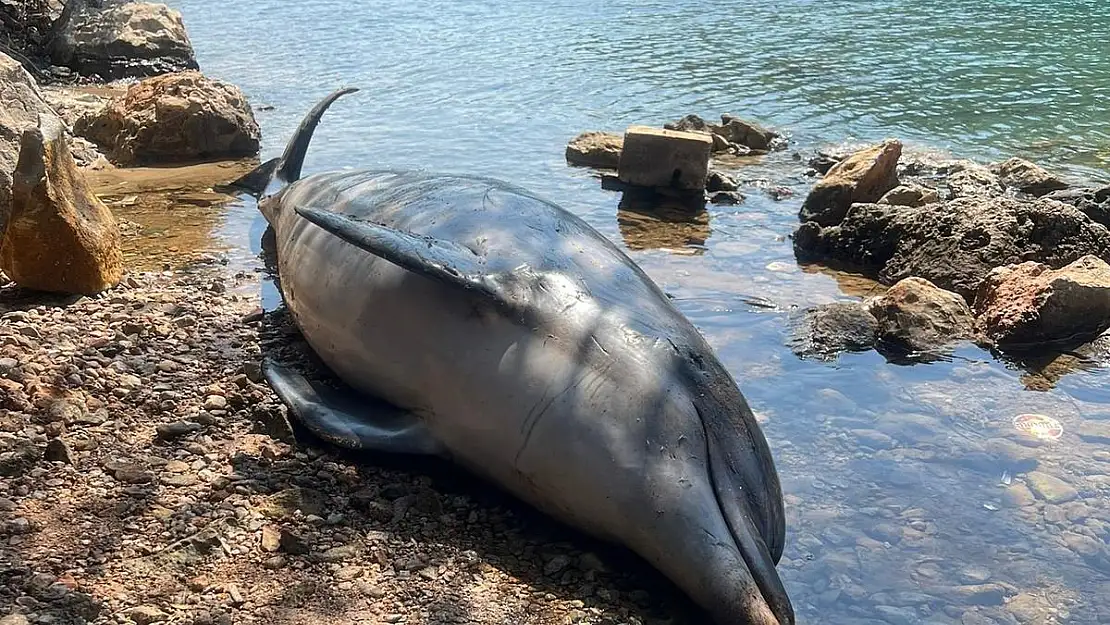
(477, 322)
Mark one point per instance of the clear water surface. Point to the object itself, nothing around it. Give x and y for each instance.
(908, 487)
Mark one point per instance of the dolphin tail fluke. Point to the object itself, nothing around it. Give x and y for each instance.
(287, 168)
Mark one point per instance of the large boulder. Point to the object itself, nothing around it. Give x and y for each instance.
(125, 40)
(182, 117)
(916, 314)
(954, 244)
(595, 149)
(865, 176)
(1026, 177)
(21, 104)
(59, 236)
(1031, 304)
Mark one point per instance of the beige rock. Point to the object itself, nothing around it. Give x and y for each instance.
(125, 39)
(59, 237)
(595, 149)
(654, 157)
(1027, 177)
(920, 315)
(21, 104)
(1031, 304)
(863, 177)
(909, 195)
(174, 118)
(969, 179)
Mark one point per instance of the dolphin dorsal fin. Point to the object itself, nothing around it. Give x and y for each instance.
(287, 169)
(437, 259)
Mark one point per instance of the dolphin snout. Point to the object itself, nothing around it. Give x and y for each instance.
(726, 570)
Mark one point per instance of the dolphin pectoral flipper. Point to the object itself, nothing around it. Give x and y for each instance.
(350, 419)
(433, 258)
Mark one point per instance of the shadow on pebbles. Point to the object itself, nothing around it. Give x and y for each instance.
(148, 475)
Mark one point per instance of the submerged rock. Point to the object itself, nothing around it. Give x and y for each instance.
(1020, 174)
(125, 40)
(595, 149)
(1031, 304)
(864, 176)
(954, 244)
(830, 329)
(910, 195)
(718, 181)
(917, 314)
(652, 157)
(174, 118)
(60, 237)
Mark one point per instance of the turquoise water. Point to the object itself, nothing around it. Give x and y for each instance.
(905, 484)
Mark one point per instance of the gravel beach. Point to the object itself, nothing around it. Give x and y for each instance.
(147, 476)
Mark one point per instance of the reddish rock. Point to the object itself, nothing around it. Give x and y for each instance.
(1031, 304)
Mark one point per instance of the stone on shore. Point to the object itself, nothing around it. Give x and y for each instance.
(1020, 174)
(863, 177)
(954, 244)
(917, 314)
(182, 117)
(1031, 304)
(910, 195)
(125, 40)
(21, 104)
(595, 149)
(654, 157)
(59, 237)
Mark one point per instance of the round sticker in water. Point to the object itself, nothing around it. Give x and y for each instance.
(1039, 425)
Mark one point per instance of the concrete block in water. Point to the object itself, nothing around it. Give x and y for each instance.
(656, 157)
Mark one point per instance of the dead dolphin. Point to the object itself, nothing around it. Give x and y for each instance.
(481, 323)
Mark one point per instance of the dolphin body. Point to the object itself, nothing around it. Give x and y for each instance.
(477, 322)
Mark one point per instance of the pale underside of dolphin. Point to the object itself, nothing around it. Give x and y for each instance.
(477, 322)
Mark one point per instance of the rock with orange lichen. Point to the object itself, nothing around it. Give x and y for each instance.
(1031, 304)
(58, 236)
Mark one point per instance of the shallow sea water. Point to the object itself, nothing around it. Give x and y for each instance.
(911, 496)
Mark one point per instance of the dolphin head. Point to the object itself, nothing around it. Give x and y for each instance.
(718, 526)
